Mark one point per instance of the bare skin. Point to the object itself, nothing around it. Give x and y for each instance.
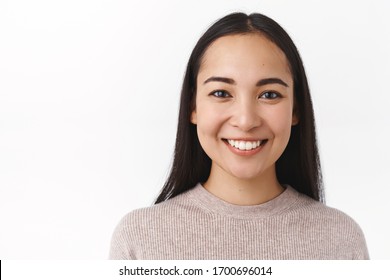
(244, 98)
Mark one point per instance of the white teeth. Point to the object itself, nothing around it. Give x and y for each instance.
(244, 145)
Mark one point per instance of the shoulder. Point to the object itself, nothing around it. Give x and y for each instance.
(144, 223)
(331, 224)
(313, 209)
(144, 216)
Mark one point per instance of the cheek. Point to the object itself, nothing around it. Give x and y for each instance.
(280, 121)
(209, 116)
(208, 121)
(207, 135)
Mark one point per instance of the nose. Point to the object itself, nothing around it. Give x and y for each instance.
(246, 115)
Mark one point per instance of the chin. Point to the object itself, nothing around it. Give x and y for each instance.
(246, 174)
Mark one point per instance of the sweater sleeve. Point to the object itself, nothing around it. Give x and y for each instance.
(361, 251)
(353, 243)
(121, 248)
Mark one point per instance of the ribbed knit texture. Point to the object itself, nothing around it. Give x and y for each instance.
(198, 225)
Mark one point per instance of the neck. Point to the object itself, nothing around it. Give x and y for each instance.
(240, 191)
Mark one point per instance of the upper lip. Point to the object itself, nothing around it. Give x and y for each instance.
(251, 139)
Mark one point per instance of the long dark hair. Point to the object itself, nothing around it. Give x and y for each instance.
(298, 166)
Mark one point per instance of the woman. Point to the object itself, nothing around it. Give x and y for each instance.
(246, 178)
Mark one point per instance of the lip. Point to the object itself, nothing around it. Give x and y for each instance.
(244, 139)
(245, 153)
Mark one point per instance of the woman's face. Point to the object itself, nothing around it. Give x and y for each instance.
(244, 105)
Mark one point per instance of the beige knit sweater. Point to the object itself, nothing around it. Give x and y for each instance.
(199, 225)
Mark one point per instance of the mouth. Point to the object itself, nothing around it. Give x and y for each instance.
(245, 145)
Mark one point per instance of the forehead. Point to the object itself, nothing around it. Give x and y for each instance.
(244, 55)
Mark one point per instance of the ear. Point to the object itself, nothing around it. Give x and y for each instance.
(295, 120)
(295, 117)
(295, 112)
(193, 117)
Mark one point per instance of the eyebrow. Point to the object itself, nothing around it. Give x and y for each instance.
(261, 82)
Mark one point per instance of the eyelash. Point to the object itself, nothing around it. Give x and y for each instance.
(214, 93)
(276, 94)
(226, 94)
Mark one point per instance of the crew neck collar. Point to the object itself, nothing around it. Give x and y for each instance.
(203, 198)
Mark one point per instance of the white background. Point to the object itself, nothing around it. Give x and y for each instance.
(89, 94)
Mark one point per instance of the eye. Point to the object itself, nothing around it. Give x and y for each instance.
(220, 94)
(270, 95)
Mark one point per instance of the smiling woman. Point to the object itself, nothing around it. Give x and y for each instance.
(246, 178)
(256, 108)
